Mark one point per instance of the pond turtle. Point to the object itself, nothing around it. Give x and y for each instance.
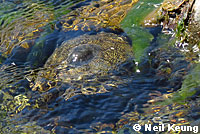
(86, 43)
(86, 47)
(87, 54)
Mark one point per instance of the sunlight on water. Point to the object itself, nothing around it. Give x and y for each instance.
(67, 66)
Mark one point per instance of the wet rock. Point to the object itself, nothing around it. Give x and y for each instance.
(196, 11)
(194, 30)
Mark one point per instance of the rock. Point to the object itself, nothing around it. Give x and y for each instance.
(196, 11)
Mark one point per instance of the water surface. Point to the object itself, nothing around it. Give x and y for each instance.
(63, 108)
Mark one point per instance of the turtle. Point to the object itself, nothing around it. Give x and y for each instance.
(34, 45)
(85, 48)
(83, 56)
(87, 43)
(101, 46)
(88, 56)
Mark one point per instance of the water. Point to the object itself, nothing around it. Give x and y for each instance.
(30, 32)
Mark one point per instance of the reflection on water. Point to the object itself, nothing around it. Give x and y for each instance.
(67, 66)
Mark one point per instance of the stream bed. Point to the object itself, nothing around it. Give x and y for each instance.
(38, 95)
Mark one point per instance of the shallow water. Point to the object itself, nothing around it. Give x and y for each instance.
(73, 106)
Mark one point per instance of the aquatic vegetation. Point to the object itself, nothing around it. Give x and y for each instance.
(181, 27)
(72, 71)
(132, 26)
(190, 86)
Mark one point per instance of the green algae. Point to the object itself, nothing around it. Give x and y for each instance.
(180, 28)
(140, 36)
(190, 86)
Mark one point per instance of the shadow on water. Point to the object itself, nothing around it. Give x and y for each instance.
(68, 107)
